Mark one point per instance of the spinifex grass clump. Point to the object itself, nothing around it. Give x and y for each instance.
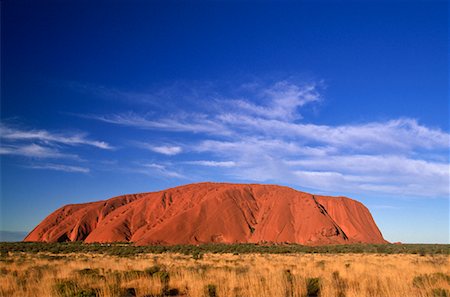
(211, 290)
(164, 278)
(93, 274)
(70, 288)
(339, 283)
(289, 283)
(439, 292)
(426, 279)
(150, 271)
(312, 287)
(321, 264)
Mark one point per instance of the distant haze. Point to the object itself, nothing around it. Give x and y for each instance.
(12, 236)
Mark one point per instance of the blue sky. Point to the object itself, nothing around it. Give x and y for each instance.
(341, 98)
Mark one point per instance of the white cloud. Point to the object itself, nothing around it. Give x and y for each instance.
(61, 167)
(283, 101)
(403, 185)
(194, 123)
(376, 164)
(212, 163)
(155, 166)
(263, 139)
(166, 150)
(35, 151)
(158, 169)
(403, 133)
(14, 134)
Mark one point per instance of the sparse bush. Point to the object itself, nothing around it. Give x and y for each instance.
(64, 288)
(89, 272)
(4, 271)
(173, 292)
(164, 277)
(127, 250)
(21, 282)
(289, 283)
(241, 269)
(211, 290)
(37, 271)
(321, 264)
(128, 292)
(424, 279)
(150, 271)
(339, 283)
(439, 292)
(197, 255)
(312, 287)
(69, 288)
(132, 274)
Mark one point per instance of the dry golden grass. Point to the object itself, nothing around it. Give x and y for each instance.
(250, 275)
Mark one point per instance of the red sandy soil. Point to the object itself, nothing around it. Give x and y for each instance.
(213, 212)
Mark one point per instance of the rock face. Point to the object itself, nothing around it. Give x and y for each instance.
(213, 212)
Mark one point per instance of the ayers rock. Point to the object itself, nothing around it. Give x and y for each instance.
(213, 212)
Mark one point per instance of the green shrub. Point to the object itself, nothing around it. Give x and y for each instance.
(89, 273)
(423, 279)
(242, 269)
(128, 250)
(150, 271)
(339, 283)
(439, 292)
(321, 264)
(164, 277)
(4, 271)
(128, 292)
(289, 283)
(312, 287)
(173, 292)
(211, 290)
(69, 288)
(132, 274)
(65, 288)
(37, 271)
(197, 255)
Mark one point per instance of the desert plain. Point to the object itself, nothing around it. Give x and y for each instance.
(119, 270)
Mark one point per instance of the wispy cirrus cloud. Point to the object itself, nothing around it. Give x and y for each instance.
(159, 169)
(34, 151)
(60, 167)
(283, 100)
(169, 150)
(212, 163)
(194, 123)
(9, 133)
(263, 138)
(44, 144)
(404, 133)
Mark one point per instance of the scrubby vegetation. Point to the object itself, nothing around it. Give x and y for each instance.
(98, 272)
(126, 249)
